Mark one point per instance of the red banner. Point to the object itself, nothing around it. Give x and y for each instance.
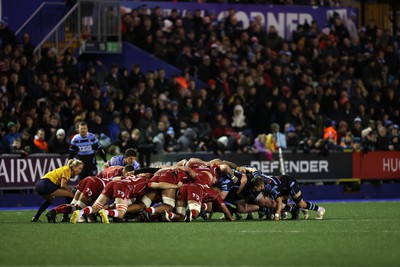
(376, 165)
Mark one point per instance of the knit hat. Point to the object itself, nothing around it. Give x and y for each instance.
(60, 132)
(171, 131)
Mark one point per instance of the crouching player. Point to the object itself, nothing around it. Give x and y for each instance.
(176, 175)
(195, 196)
(131, 186)
(88, 191)
(279, 187)
(120, 190)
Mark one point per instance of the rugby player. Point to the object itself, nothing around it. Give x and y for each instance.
(278, 187)
(85, 144)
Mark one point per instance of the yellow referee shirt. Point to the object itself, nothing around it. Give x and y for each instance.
(56, 175)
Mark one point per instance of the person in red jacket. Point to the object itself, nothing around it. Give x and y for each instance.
(40, 142)
(329, 130)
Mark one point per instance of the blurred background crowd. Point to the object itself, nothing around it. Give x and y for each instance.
(331, 87)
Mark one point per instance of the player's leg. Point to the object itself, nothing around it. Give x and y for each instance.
(180, 207)
(301, 203)
(63, 208)
(43, 206)
(46, 189)
(168, 202)
(68, 198)
(97, 206)
(118, 212)
(194, 199)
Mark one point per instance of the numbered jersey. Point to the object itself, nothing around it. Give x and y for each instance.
(199, 193)
(92, 186)
(85, 146)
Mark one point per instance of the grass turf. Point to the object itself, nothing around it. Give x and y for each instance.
(351, 234)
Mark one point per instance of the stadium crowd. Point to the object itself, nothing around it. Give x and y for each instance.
(329, 87)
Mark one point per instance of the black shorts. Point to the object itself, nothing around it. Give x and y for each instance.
(46, 187)
(290, 185)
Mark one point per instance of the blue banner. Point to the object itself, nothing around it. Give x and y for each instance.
(284, 18)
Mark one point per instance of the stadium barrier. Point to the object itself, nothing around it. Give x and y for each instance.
(22, 172)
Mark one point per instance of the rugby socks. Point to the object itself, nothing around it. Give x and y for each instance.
(151, 210)
(203, 206)
(45, 204)
(311, 206)
(290, 208)
(263, 209)
(112, 213)
(65, 208)
(87, 210)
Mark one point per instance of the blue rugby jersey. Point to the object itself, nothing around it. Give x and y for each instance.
(276, 186)
(119, 161)
(272, 186)
(85, 146)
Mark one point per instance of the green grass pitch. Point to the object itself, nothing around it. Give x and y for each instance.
(351, 234)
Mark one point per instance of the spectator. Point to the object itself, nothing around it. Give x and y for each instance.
(147, 121)
(133, 141)
(223, 129)
(274, 41)
(16, 148)
(170, 140)
(123, 141)
(186, 142)
(394, 143)
(292, 139)
(27, 142)
(12, 134)
(27, 46)
(357, 127)
(114, 127)
(47, 64)
(97, 126)
(347, 141)
(145, 146)
(39, 141)
(238, 119)
(159, 137)
(7, 36)
(368, 140)
(260, 146)
(357, 144)
(113, 77)
(330, 131)
(272, 140)
(58, 143)
(382, 141)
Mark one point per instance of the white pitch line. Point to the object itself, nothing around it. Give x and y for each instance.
(297, 231)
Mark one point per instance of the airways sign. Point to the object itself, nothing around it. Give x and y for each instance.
(21, 173)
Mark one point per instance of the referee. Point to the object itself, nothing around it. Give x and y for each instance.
(85, 145)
